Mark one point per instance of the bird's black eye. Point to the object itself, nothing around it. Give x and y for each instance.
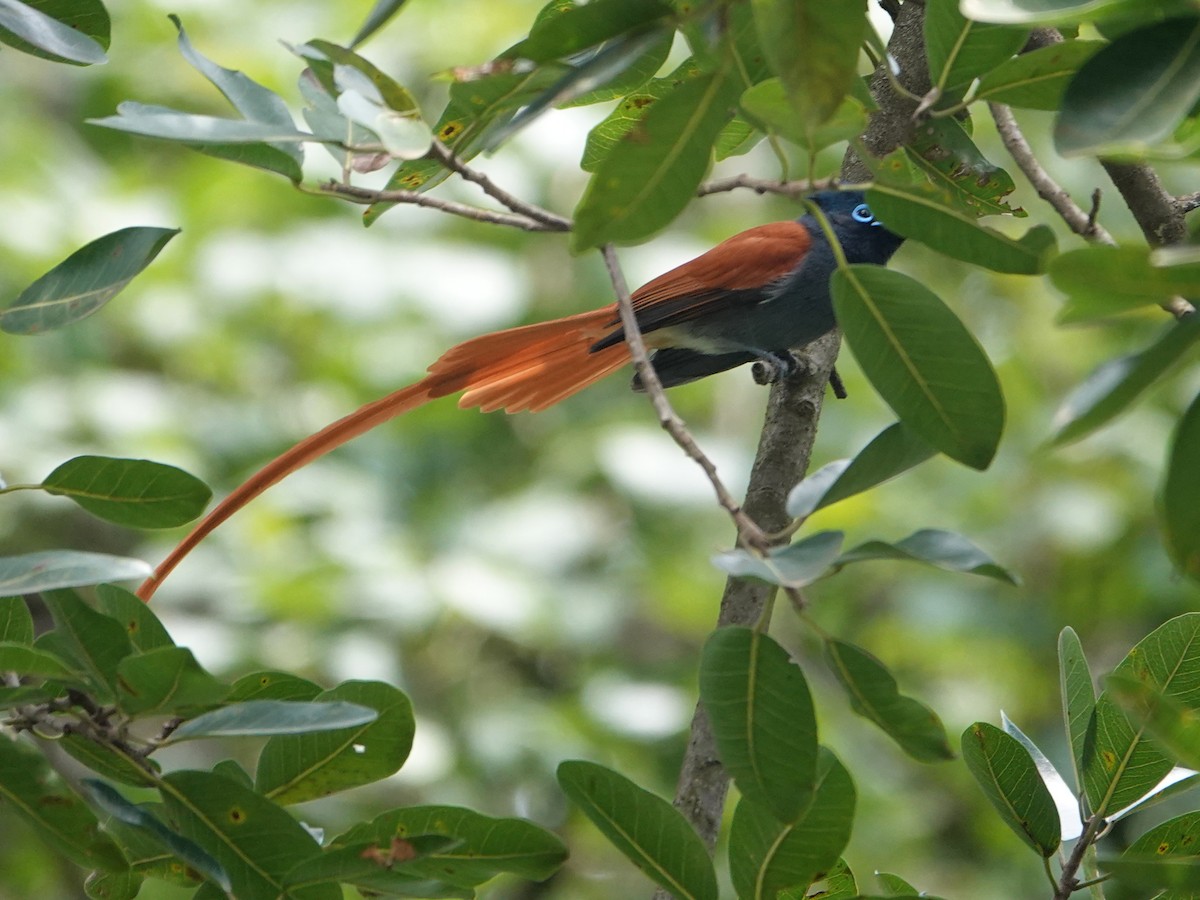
(862, 213)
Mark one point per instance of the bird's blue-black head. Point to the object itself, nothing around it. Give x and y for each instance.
(863, 237)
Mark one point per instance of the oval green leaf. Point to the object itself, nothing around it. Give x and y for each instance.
(91, 641)
(485, 846)
(648, 830)
(1175, 727)
(652, 173)
(874, 695)
(767, 856)
(85, 280)
(792, 566)
(16, 624)
(762, 719)
(297, 767)
(376, 19)
(1010, 781)
(28, 662)
(134, 492)
(54, 38)
(250, 718)
(1059, 12)
(921, 360)
(1181, 494)
(960, 49)
(1133, 93)
(1078, 694)
(32, 572)
(1038, 79)
(928, 214)
(893, 451)
(167, 680)
(943, 549)
(31, 791)
(813, 46)
(143, 627)
(254, 841)
(1116, 384)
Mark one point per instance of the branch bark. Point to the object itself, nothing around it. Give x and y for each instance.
(793, 410)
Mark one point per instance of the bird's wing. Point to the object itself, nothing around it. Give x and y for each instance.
(736, 272)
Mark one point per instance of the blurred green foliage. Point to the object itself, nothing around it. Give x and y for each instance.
(538, 585)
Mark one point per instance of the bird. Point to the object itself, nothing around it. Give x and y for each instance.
(755, 297)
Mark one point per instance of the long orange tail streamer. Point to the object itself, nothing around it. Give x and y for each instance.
(526, 368)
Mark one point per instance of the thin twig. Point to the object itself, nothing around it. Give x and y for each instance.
(764, 186)
(1068, 882)
(521, 207)
(749, 534)
(1048, 189)
(1188, 202)
(479, 214)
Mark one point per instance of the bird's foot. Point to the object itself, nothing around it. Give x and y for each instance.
(772, 368)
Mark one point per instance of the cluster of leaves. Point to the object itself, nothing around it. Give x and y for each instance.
(1133, 746)
(89, 681)
(109, 688)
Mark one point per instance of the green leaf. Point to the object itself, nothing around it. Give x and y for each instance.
(647, 830)
(1037, 79)
(1179, 875)
(376, 867)
(55, 38)
(26, 661)
(486, 846)
(254, 841)
(110, 760)
(960, 50)
(273, 686)
(768, 105)
(1060, 12)
(48, 569)
(1175, 727)
(932, 546)
(1133, 93)
(113, 885)
(875, 696)
(25, 694)
(60, 817)
(87, 17)
(894, 450)
(792, 566)
(16, 624)
(145, 631)
(85, 280)
(174, 125)
(652, 173)
(142, 819)
(390, 92)
(634, 74)
(737, 138)
(167, 680)
(813, 47)
(295, 768)
(581, 27)
(1111, 388)
(95, 641)
(251, 718)
(605, 67)
(1121, 763)
(762, 719)
(767, 856)
(1078, 694)
(1175, 837)
(1103, 281)
(1181, 493)
(1010, 780)
(929, 215)
(950, 160)
(921, 360)
(134, 492)
(629, 113)
(376, 19)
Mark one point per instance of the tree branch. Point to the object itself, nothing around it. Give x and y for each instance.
(749, 533)
(521, 207)
(789, 431)
(1080, 222)
(763, 186)
(368, 196)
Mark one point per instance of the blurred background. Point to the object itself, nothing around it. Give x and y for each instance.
(539, 585)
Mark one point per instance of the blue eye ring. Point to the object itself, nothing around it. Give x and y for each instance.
(862, 213)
